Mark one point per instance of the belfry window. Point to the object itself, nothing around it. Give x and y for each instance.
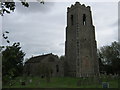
(84, 19)
(71, 19)
(57, 68)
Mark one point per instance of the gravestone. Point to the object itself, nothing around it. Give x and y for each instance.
(105, 85)
(23, 83)
(30, 80)
(100, 80)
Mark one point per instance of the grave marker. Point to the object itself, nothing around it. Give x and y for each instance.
(105, 85)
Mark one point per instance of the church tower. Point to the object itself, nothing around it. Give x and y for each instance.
(80, 45)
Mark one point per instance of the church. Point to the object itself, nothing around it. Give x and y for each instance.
(80, 48)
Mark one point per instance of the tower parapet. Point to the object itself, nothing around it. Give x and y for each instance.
(78, 5)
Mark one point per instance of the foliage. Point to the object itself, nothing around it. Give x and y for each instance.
(109, 58)
(7, 7)
(12, 60)
(62, 58)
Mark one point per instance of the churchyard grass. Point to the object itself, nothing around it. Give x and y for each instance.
(61, 82)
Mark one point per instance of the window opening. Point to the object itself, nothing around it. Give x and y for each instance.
(71, 19)
(57, 68)
(84, 19)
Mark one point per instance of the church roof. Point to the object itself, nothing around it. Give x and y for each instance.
(38, 58)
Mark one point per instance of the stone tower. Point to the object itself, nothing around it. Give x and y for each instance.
(80, 45)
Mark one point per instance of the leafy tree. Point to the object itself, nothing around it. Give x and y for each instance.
(7, 7)
(109, 58)
(62, 57)
(101, 65)
(12, 60)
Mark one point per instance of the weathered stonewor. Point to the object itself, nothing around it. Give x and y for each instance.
(80, 45)
(43, 66)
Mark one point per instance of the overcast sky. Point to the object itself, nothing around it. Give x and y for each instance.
(40, 29)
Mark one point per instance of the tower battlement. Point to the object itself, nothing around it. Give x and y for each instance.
(76, 5)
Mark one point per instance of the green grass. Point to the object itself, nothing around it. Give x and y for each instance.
(59, 82)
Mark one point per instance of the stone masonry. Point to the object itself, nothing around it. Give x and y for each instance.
(80, 45)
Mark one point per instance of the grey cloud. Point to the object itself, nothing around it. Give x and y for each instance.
(119, 30)
(42, 29)
(62, 44)
(34, 7)
(106, 37)
(119, 21)
(119, 37)
(115, 24)
(38, 49)
(36, 38)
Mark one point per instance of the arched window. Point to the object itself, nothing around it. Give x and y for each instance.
(57, 68)
(84, 19)
(71, 19)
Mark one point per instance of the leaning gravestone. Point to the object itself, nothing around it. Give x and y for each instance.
(30, 80)
(105, 85)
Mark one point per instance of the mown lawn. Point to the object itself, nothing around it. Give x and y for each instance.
(60, 82)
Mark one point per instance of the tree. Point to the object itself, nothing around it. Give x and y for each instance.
(12, 60)
(12, 56)
(7, 7)
(62, 58)
(110, 58)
